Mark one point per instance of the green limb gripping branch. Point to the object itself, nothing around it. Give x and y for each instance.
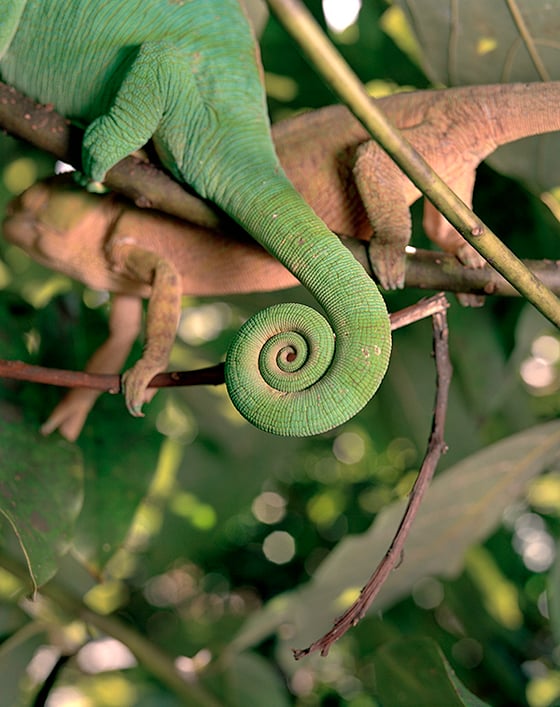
(187, 76)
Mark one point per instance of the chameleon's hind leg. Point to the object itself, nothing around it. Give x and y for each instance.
(125, 322)
(385, 193)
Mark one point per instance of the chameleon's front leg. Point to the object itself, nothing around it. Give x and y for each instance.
(164, 308)
(125, 321)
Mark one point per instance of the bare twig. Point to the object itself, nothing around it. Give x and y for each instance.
(329, 63)
(436, 447)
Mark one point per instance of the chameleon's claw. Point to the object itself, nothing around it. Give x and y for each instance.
(388, 264)
(470, 257)
(135, 383)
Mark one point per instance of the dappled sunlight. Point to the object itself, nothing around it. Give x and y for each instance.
(269, 507)
(540, 370)
(340, 15)
(20, 174)
(203, 323)
(105, 654)
(200, 515)
(279, 547)
(499, 595)
(533, 542)
(349, 448)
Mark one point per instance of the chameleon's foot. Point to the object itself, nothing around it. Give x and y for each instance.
(470, 257)
(467, 299)
(388, 264)
(70, 414)
(135, 383)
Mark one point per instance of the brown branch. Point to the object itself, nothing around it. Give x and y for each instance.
(142, 182)
(431, 270)
(108, 383)
(436, 447)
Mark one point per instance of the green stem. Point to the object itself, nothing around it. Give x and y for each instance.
(148, 654)
(299, 22)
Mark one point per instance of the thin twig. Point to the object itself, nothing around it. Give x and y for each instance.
(329, 63)
(436, 447)
(108, 383)
(46, 688)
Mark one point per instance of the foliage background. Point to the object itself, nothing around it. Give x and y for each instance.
(195, 528)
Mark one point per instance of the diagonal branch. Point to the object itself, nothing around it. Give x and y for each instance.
(328, 62)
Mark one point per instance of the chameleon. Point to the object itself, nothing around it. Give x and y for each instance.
(80, 235)
(187, 76)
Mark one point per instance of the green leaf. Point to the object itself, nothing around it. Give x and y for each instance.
(483, 42)
(463, 506)
(413, 672)
(41, 493)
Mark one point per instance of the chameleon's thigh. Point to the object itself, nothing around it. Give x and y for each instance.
(164, 308)
(135, 113)
(125, 322)
(386, 194)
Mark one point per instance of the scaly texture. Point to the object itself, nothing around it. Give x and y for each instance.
(186, 75)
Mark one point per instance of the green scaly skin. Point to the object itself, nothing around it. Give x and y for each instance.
(187, 75)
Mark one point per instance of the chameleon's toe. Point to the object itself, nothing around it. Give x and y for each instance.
(135, 387)
(470, 257)
(388, 264)
(69, 416)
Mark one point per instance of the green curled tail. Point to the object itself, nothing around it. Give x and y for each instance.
(287, 371)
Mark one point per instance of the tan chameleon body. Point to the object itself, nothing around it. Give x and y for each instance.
(348, 180)
(357, 189)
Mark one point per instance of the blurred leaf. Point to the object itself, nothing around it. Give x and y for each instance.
(554, 596)
(462, 507)
(120, 459)
(41, 493)
(413, 672)
(478, 42)
(252, 681)
(16, 653)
